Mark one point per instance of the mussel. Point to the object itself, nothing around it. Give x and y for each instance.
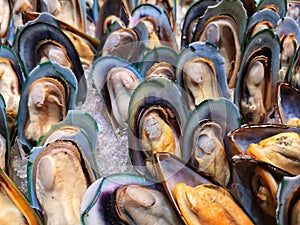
(200, 72)
(205, 143)
(15, 208)
(224, 24)
(49, 91)
(34, 45)
(115, 79)
(157, 115)
(257, 78)
(58, 176)
(127, 199)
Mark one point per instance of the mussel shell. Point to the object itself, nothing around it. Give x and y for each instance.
(221, 111)
(171, 170)
(195, 11)
(264, 43)
(8, 53)
(78, 9)
(287, 26)
(166, 35)
(210, 52)
(288, 99)
(153, 92)
(260, 16)
(242, 171)
(118, 8)
(45, 28)
(131, 51)
(287, 195)
(46, 69)
(293, 72)
(85, 133)
(38, 152)
(99, 72)
(19, 199)
(97, 201)
(156, 55)
(4, 132)
(234, 9)
(242, 137)
(281, 6)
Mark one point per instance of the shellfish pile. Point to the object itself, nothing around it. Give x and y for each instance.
(201, 98)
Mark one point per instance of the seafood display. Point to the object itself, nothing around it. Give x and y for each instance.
(195, 105)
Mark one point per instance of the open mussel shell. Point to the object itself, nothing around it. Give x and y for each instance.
(5, 155)
(288, 99)
(11, 83)
(80, 127)
(166, 34)
(261, 57)
(124, 42)
(63, 79)
(5, 20)
(293, 76)
(195, 11)
(205, 142)
(247, 172)
(58, 176)
(107, 12)
(234, 9)
(15, 208)
(106, 201)
(158, 112)
(288, 197)
(175, 173)
(242, 137)
(260, 20)
(42, 40)
(159, 55)
(224, 24)
(210, 81)
(73, 14)
(279, 6)
(115, 79)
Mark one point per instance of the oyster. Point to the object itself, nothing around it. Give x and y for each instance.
(115, 79)
(200, 72)
(157, 116)
(281, 150)
(58, 176)
(208, 204)
(15, 208)
(224, 25)
(257, 78)
(49, 91)
(126, 199)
